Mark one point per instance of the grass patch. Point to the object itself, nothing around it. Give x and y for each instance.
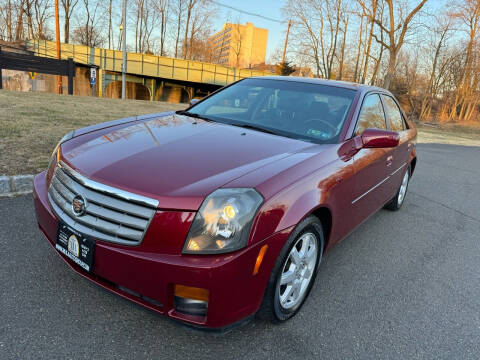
(32, 123)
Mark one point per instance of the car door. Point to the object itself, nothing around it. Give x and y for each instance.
(401, 153)
(371, 165)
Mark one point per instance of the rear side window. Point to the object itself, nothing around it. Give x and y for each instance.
(371, 115)
(393, 113)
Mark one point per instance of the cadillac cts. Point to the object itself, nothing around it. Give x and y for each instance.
(224, 210)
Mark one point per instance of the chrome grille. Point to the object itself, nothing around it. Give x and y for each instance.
(111, 214)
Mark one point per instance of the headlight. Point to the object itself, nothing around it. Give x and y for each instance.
(223, 222)
(54, 158)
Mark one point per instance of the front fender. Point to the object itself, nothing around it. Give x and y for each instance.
(329, 187)
(287, 208)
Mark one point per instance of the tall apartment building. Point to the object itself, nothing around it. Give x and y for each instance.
(239, 45)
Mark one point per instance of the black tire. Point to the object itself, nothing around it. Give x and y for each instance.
(271, 309)
(396, 203)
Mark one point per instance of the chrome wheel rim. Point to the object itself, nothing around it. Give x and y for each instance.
(297, 271)
(403, 188)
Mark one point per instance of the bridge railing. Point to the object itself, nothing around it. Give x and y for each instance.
(144, 64)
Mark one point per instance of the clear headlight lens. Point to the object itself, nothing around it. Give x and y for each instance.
(56, 151)
(223, 222)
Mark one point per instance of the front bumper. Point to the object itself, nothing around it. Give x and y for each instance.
(147, 273)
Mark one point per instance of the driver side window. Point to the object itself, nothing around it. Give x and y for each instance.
(371, 115)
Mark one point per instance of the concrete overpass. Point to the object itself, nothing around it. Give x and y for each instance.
(162, 76)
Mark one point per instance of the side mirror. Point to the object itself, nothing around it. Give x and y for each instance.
(194, 101)
(376, 138)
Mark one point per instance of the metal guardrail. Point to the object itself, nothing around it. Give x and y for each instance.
(144, 64)
(31, 63)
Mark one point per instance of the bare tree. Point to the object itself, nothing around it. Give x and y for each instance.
(7, 14)
(139, 23)
(236, 42)
(468, 12)
(373, 15)
(110, 29)
(190, 6)
(19, 30)
(200, 25)
(42, 14)
(318, 27)
(89, 31)
(177, 12)
(395, 42)
(341, 59)
(146, 19)
(162, 7)
(440, 34)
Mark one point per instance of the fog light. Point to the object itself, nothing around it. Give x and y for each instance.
(191, 300)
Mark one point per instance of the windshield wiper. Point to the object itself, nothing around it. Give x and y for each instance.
(195, 115)
(253, 127)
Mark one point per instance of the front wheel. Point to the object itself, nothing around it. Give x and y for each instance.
(397, 202)
(294, 272)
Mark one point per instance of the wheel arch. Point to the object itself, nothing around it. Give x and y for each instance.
(324, 214)
(413, 163)
(291, 211)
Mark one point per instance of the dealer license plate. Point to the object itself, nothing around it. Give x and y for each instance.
(76, 246)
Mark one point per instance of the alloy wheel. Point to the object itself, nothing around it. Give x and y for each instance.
(403, 188)
(298, 271)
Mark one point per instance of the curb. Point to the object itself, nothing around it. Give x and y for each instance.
(16, 185)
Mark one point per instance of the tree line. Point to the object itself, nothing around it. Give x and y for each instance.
(178, 28)
(425, 51)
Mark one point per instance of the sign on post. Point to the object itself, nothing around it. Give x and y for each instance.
(93, 79)
(34, 83)
(93, 76)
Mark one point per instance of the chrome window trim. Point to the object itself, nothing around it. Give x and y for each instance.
(109, 190)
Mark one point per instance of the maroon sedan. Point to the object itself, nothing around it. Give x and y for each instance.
(224, 210)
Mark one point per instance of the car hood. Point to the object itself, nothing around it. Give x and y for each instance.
(176, 159)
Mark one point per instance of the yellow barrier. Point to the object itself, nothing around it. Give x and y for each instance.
(145, 65)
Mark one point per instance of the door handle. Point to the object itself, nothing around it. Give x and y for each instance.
(389, 161)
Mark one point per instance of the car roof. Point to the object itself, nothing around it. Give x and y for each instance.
(318, 81)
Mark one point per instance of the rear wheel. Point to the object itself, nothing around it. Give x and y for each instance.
(294, 272)
(397, 202)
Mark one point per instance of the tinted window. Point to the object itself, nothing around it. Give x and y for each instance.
(300, 110)
(371, 115)
(393, 114)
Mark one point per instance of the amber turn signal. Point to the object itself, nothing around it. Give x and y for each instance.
(193, 293)
(260, 256)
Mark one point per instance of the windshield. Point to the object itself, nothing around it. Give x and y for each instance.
(298, 110)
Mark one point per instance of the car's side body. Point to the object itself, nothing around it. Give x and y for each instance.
(336, 183)
(342, 184)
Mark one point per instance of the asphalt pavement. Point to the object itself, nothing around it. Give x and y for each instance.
(404, 285)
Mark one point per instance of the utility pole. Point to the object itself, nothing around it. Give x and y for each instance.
(57, 31)
(124, 48)
(286, 40)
